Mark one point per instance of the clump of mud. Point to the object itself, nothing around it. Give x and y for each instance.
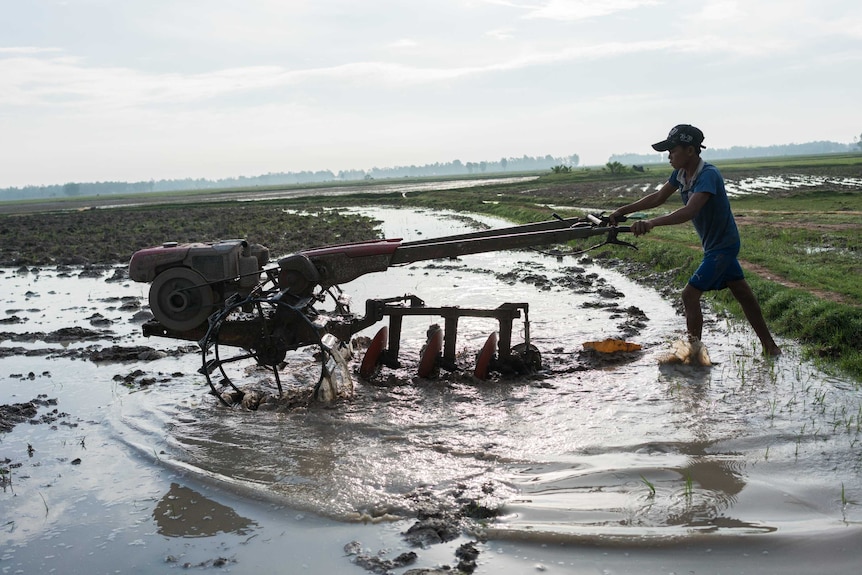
(255, 398)
(441, 518)
(15, 413)
(377, 563)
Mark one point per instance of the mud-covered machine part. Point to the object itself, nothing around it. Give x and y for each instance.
(440, 350)
(224, 295)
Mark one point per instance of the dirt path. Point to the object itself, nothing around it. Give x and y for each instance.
(753, 218)
(767, 274)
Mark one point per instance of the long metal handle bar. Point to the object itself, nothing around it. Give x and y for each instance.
(542, 233)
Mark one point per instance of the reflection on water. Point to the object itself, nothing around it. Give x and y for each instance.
(636, 449)
(183, 512)
(632, 450)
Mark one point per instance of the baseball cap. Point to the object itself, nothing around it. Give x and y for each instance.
(682, 134)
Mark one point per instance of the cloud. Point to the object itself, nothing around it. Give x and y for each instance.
(26, 79)
(27, 50)
(769, 26)
(720, 11)
(403, 43)
(67, 81)
(584, 9)
(302, 80)
(501, 33)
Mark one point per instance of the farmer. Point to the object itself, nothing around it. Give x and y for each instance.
(705, 203)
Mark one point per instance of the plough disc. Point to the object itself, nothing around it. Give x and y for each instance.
(485, 357)
(428, 364)
(371, 361)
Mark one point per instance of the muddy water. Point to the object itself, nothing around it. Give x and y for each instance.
(603, 452)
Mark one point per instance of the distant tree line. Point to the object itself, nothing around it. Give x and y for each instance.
(453, 168)
(73, 189)
(737, 152)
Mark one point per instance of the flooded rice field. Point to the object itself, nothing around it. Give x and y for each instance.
(763, 184)
(595, 464)
(767, 184)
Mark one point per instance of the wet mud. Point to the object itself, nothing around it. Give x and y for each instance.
(440, 517)
(421, 476)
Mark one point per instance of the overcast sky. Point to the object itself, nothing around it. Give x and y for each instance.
(99, 90)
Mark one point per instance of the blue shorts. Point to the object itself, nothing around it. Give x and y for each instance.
(717, 269)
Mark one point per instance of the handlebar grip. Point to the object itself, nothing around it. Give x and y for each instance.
(603, 220)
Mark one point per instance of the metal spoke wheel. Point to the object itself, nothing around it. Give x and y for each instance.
(266, 355)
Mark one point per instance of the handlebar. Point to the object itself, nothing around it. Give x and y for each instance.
(340, 264)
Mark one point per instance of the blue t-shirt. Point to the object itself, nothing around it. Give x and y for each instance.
(714, 222)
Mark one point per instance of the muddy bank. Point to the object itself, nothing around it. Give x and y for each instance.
(101, 237)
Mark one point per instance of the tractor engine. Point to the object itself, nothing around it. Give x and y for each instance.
(190, 281)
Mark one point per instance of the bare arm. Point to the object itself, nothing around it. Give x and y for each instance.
(653, 200)
(682, 215)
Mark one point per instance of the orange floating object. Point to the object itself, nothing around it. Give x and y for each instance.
(611, 346)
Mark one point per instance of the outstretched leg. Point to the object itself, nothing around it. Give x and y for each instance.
(743, 294)
(693, 313)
